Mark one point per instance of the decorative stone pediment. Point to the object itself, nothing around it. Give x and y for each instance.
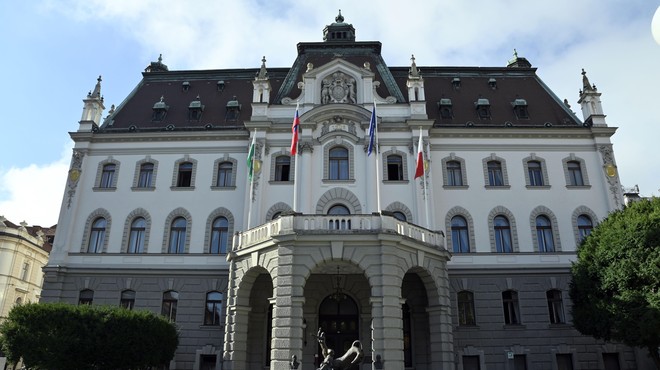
(338, 123)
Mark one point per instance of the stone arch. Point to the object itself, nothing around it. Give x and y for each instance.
(400, 207)
(138, 212)
(544, 211)
(338, 195)
(275, 208)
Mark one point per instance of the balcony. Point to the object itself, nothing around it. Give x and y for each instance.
(302, 224)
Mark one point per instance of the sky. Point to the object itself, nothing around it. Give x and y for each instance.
(54, 50)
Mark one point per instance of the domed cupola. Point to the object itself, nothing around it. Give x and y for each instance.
(339, 31)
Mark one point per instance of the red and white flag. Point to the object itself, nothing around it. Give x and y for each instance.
(419, 168)
(294, 132)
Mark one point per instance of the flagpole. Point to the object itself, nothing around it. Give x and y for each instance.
(426, 202)
(251, 176)
(294, 151)
(377, 166)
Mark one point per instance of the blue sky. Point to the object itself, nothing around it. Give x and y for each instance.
(53, 51)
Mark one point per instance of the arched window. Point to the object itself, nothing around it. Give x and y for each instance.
(454, 174)
(535, 173)
(339, 209)
(97, 236)
(170, 302)
(127, 299)
(213, 309)
(276, 215)
(544, 234)
(495, 174)
(394, 167)
(459, 235)
(219, 236)
(282, 168)
(399, 216)
(184, 177)
(136, 238)
(574, 173)
(338, 164)
(339, 223)
(107, 175)
(585, 225)
(502, 234)
(145, 178)
(178, 236)
(224, 178)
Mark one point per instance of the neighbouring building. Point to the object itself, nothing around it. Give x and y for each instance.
(464, 267)
(23, 253)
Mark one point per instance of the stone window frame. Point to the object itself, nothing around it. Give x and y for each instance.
(219, 212)
(138, 212)
(501, 210)
(582, 210)
(275, 208)
(136, 176)
(460, 211)
(583, 170)
(339, 142)
(216, 168)
(505, 174)
(178, 212)
(99, 175)
(96, 214)
(544, 172)
(544, 211)
(404, 165)
(445, 178)
(175, 173)
(292, 166)
(400, 207)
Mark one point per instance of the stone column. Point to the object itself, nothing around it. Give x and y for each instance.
(387, 324)
(235, 348)
(441, 337)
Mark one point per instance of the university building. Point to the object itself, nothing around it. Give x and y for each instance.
(464, 267)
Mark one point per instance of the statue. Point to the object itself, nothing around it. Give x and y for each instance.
(294, 362)
(352, 357)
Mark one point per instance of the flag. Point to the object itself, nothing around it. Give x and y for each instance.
(250, 157)
(419, 168)
(372, 130)
(294, 133)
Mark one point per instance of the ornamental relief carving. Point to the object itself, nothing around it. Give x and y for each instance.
(337, 123)
(338, 88)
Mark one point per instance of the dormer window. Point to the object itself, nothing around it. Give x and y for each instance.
(195, 110)
(520, 108)
(492, 83)
(446, 110)
(185, 86)
(159, 110)
(233, 110)
(483, 108)
(221, 85)
(456, 83)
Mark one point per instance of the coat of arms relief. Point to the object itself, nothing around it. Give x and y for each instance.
(338, 88)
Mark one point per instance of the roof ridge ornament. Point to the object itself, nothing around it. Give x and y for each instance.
(97, 90)
(263, 73)
(157, 66)
(586, 85)
(339, 18)
(413, 72)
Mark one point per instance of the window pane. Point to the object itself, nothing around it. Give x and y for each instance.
(564, 361)
(584, 225)
(510, 305)
(535, 173)
(219, 236)
(146, 175)
(213, 309)
(136, 239)
(184, 178)
(170, 301)
(127, 299)
(224, 174)
(544, 234)
(178, 236)
(575, 173)
(107, 176)
(282, 168)
(97, 236)
(555, 306)
(495, 177)
(459, 235)
(86, 296)
(394, 167)
(454, 174)
(502, 235)
(338, 164)
(466, 308)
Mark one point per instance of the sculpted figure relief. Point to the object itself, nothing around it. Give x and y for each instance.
(338, 88)
(349, 360)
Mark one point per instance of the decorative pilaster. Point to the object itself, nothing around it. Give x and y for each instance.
(611, 174)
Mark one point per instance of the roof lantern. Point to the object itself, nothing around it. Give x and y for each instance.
(339, 31)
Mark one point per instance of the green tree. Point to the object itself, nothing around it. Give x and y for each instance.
(60, 336)
(616, 279)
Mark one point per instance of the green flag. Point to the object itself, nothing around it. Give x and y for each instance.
(250, 157)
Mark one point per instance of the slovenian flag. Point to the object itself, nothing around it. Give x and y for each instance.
(294, 133)
(419, 168)
(372, 131)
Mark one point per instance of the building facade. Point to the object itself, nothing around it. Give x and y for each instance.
(464, 267)
(23, 253)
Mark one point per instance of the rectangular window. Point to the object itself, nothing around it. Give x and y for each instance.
(184, 179)
(495, 177)
(575, 173)
(282, 168)
(510, 305)
(519, 362)
(454, 174)
(466, 308)
(564, 361)
(26, 270)
(611, 361)
(394, 168)
(107, 176)
(146, 175)
(535, 173)
(224, 178)
(207, 362)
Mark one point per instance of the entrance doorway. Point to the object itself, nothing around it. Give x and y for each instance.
(340, 321)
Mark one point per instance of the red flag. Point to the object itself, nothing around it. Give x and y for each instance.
(294, 132)
(419, 168)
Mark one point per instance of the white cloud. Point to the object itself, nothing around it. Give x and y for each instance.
(34, 193)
